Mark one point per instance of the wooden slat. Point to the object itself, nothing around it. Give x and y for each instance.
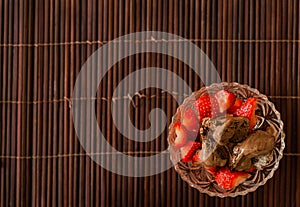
(43, 46)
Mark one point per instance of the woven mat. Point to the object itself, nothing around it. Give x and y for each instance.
(43, 45)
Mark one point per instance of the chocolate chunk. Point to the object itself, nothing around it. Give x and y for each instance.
(213, 154)
(226, 129)
(256, 144)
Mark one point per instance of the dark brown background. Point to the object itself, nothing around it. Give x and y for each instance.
(45, 43)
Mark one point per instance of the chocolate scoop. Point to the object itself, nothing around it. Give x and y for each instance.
(212, 154)
(226, 129)
(217, 134)
(243, 165)
(256, 144)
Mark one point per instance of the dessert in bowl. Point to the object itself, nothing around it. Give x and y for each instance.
(226, 139)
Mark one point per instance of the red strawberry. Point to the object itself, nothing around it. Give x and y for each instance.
(225, 99)
(196, 157)
(207, 106)
(253, 121)
(188, 151)
(190, 120)
(248, 110)
(228, 180)
(203, 105)
(212, 170)
(215, 109)
(237, 104)
(251, 169)
(181, 135)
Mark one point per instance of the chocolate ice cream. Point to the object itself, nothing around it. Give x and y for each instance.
(219, 135)
(256, 144)
(227, 140)
(225, 129)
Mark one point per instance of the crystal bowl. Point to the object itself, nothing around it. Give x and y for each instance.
(197, 176)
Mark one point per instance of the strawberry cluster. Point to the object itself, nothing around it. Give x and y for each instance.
(222, 103)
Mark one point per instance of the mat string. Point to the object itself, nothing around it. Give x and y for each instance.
(69, 100)
(98, 154)
(130, 97)
(152, 39)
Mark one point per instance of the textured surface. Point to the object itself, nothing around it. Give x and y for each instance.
(43, 45)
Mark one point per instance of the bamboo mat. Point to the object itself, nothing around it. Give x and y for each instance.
(43, 45)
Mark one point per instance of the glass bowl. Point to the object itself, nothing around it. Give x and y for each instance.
(197, 176)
